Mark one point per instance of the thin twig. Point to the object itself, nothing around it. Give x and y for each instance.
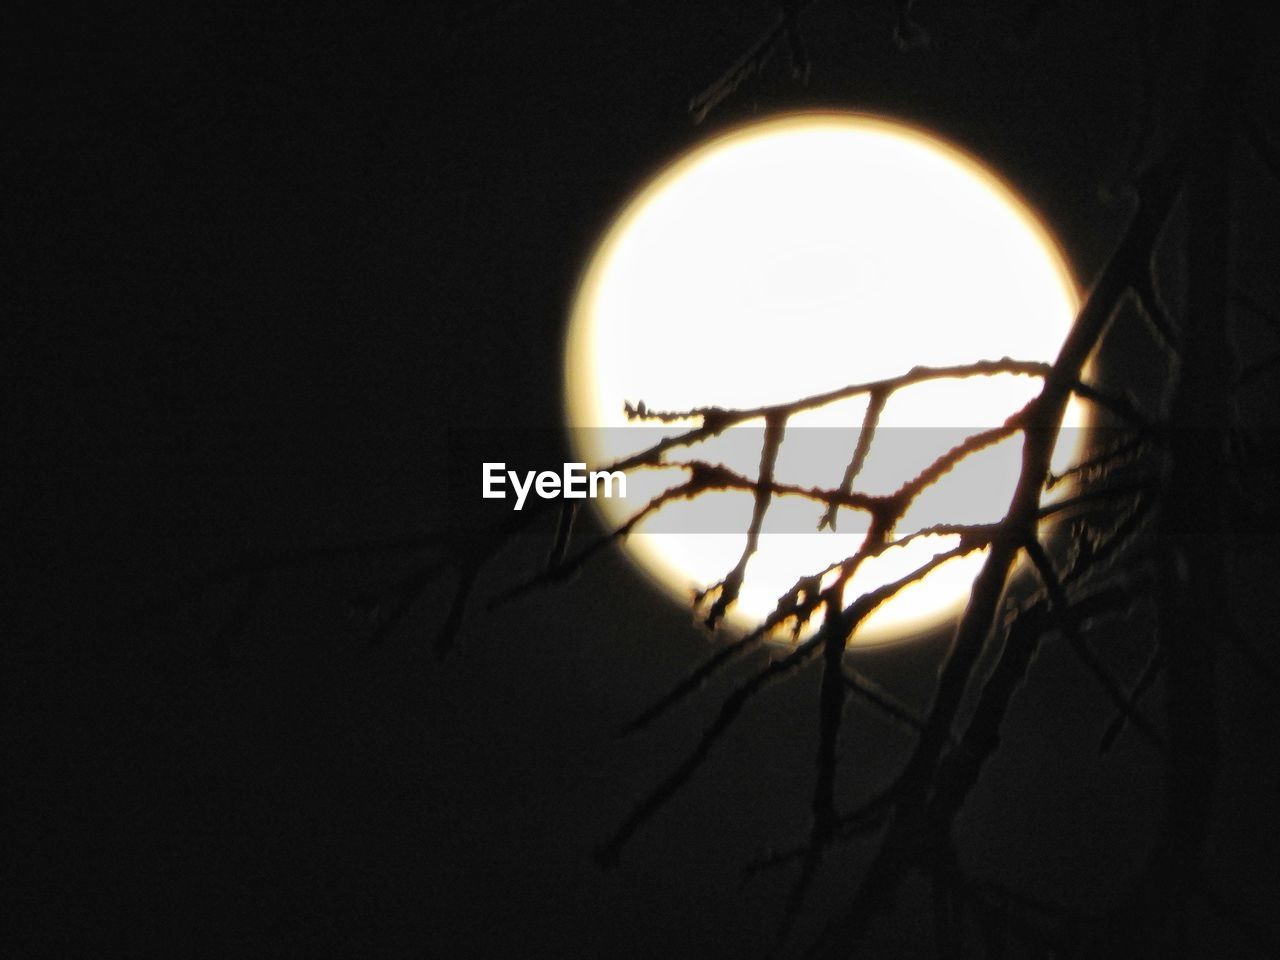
(607, 854)
(870, 420)
(729, 587)
(753, 61)
(1150, 670)
(1066, 620)
(875, 693)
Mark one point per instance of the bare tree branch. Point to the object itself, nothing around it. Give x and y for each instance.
(1160, 188)
(1150, 670)
(875, 694)
(607, 854)
(785, 30)
(726, 592)
(1062, 610)
(870, 420)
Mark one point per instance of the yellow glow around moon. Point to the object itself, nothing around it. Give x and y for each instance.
(794, 256)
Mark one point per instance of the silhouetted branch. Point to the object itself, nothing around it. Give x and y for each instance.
(564, 532)
(798, 604)
(870, 420)
(1154, 312)
(467, 576)
(828, 825)
(875, 694)
(785, 30)
(1092, 548)
(716, 419)
(831, 694)
(1150, 670)
(1157, 193)
(1061, 607)
(1130, 259)
(1113, 491)
(693, 681)
(1122, 407)
(1039, 423)
(726, 592)
(607, 854)
(947, 461)
(1096, 466)
(706, 477)
(567, 568)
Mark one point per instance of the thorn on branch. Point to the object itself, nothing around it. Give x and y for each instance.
(709, 416)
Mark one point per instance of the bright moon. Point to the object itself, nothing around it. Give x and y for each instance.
(795, 256)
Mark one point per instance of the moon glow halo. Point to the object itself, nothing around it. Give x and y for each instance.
(787, 258)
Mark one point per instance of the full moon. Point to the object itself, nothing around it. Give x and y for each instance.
(791, 257)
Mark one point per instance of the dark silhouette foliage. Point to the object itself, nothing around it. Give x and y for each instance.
(1154, 517)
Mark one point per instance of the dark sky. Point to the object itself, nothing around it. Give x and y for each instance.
(262, 258)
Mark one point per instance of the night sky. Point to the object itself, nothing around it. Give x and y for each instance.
(261, 260)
